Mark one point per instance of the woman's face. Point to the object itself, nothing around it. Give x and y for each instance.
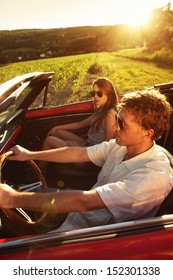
(99, 101)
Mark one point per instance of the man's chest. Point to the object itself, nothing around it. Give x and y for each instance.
(113, 170)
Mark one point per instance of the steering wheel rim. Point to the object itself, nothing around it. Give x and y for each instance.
(12, 213)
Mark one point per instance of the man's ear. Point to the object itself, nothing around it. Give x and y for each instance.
(149, 133)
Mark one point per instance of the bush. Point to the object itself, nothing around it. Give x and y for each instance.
(163, 57)
(95, 69)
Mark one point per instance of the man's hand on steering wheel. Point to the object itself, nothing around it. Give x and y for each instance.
(6, 193)
(19, 153)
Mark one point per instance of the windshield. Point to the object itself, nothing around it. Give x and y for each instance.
(11, 103)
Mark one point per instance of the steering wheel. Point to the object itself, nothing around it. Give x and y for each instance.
(18, 214)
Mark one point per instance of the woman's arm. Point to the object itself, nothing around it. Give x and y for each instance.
(72, 126)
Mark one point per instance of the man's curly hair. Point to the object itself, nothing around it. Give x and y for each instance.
(151, 110)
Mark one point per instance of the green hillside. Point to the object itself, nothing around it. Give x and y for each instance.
(74, 75)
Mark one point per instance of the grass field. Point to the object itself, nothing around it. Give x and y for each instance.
(74, 75)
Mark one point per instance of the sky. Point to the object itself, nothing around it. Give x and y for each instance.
(28, 14)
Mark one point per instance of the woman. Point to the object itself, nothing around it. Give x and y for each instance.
(105, 100)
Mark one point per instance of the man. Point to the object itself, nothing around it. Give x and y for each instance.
(135, 177)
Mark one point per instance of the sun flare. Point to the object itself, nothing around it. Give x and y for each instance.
(133, 12)
(138, 20)
(137, 17)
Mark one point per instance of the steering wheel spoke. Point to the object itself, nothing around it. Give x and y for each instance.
(24, 214)
(36, 186)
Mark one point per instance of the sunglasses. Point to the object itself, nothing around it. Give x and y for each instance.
(99, 93)
(122, 125)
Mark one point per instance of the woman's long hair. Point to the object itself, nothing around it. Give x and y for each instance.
(105, 85)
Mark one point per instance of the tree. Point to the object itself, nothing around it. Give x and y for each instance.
(159, 31)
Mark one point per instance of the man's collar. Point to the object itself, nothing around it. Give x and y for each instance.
(141, 159)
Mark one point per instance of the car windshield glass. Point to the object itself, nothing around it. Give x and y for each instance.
(38, 101)
(11, 104)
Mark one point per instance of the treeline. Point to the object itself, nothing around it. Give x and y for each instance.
(22, 45)
(39, 43)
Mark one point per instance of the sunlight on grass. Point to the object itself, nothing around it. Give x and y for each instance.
(129, 70)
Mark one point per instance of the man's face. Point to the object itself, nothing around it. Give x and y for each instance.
(127, 131)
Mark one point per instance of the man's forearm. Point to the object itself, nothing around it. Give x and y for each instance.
(66, 154)
(47, 202)
(60, 202)
(56, 202)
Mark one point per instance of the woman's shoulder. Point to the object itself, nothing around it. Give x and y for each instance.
(111, 112)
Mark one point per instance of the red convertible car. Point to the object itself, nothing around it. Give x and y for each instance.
(25, 119)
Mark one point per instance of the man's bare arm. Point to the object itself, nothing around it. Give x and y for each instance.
(57, 202)
(66, 154)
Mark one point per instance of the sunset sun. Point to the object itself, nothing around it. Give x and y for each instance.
(137, 18)
(134, 13)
